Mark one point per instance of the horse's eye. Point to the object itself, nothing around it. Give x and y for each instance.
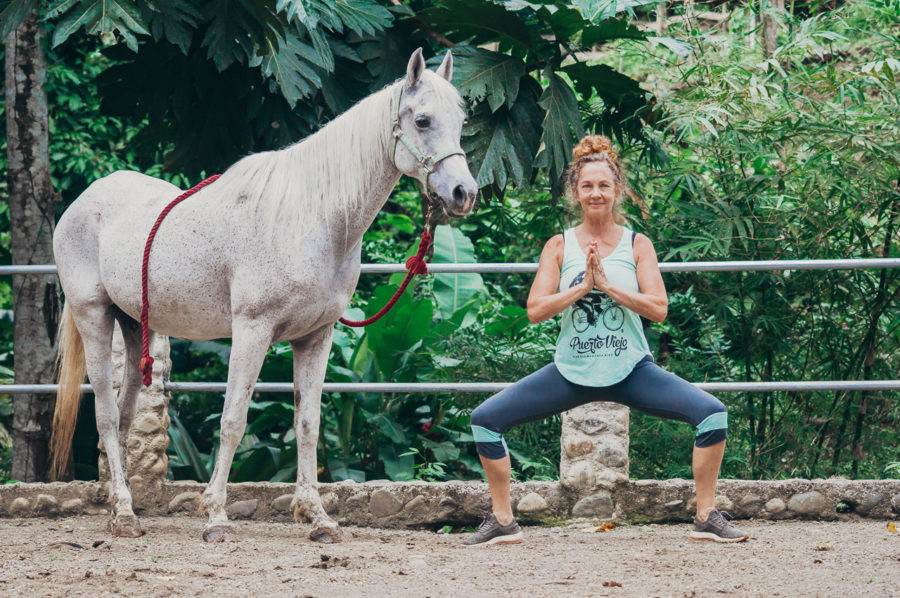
(423, 122)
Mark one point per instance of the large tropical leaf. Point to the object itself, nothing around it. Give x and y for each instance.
(175, 20)
(363, 17)
(609, 30)
(291, 66)
(596, 11)
(12, 13)
(609, 84)
(623, 99)
(501, 145)
(453, 290)
(185, 450)
(480, 74)
(564, 21)
(97, 16)
(476, 22)
(561, 126)
(406, 324)
(239, 30)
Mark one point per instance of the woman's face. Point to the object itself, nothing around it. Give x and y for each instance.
(596, 190)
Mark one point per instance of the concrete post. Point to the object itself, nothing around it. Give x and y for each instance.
(147, 461)
(594, 446)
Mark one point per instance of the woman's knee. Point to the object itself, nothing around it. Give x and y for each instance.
(489, 441)
(713, 429)
(481, 417)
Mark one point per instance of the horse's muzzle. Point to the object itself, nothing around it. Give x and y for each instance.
(462, 201)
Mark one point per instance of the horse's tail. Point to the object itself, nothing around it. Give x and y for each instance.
(72, 372)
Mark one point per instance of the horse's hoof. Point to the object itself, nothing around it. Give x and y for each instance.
(220, 533)
(126, 526)
(326, 534)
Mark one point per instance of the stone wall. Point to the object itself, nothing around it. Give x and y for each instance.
(422, 504)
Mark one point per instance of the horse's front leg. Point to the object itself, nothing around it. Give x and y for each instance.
(248, 349)
(310, 361)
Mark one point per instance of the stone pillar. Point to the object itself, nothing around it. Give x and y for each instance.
(147, 461)
(594, 447)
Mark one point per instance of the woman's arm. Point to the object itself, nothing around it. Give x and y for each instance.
(544, 300)
(651, 301)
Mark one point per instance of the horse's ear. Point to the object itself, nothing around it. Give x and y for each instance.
(446, 68)
(416, 67)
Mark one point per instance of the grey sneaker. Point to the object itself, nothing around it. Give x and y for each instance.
(717, 529)
(491, 532)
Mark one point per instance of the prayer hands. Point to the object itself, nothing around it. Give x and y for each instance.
(594, 269)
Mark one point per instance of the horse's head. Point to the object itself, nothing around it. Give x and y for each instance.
(427, 128)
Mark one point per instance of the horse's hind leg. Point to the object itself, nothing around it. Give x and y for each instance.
(131, 383)
(310, 361)
(95, 323)
(249, 345)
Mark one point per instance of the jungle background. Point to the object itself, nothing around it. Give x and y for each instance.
(749, 131)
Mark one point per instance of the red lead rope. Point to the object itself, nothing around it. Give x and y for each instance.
(414, 265)
(146, 366)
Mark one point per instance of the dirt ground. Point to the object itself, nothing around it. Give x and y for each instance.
(76, 557)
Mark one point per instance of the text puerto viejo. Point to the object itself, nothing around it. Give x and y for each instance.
(597, 343)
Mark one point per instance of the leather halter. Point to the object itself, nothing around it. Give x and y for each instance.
(427, 164)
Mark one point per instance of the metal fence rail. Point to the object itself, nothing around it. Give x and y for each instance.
(512, 268)
(493, 268)
(479, 386)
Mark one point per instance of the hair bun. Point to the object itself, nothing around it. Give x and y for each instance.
(594, 144)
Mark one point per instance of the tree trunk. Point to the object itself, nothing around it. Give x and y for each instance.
(770, 27)
(32, 206)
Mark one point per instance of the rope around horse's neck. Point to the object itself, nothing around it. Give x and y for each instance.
(414, 265)
(146, 365)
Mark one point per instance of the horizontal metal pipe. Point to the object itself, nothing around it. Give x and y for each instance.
(512, 268)
(39, 269)
(804, 386)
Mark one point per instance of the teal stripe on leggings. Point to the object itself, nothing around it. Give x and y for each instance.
(716, 421)
(484, 435)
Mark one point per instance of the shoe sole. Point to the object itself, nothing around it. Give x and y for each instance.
(710, 537)
(510, 539)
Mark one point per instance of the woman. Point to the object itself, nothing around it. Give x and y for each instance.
(601, 277)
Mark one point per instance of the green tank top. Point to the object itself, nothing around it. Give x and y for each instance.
(600, 341)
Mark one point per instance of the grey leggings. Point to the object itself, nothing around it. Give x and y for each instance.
(648, 388)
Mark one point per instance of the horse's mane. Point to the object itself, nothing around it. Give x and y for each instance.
(306, 184)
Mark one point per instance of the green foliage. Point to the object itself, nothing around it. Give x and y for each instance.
(266, 63)
(290, 59)
(793, 157)
(737, 157)
(538, 43)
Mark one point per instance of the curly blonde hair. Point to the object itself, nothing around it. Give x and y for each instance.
(598, 148)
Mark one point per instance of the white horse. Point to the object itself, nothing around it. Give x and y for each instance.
(270, 252)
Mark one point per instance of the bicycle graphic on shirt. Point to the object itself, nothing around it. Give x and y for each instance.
(596, 304)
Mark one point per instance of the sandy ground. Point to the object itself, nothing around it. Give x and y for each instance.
(76, 557)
